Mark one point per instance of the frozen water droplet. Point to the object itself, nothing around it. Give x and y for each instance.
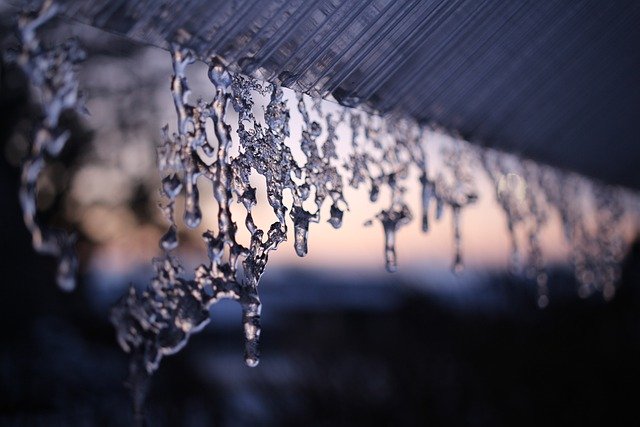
(301, 220)
(251, 322)
(66, 274)
(171, 185)
(56, 144)
(287, 78)
(218, 73)
(248, 198)
(543, 301)
(169, 241)
(315, 130)
(608, 291)
(248, 64)
(336, 216)
(584, 291)
(304, 191)
(192, 213)
(392, 220)
(427, 194)
(251, 362)
(373, 194)
(192, 216)
(350, 100)
(425, 222)
(458, 265)
(439, 208)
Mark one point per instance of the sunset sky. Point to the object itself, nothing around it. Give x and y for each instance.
(485, 242)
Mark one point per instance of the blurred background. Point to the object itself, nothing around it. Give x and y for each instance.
(343, 342)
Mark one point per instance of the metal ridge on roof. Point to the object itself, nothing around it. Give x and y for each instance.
(556, 81)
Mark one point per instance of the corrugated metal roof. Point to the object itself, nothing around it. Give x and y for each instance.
(555, 80)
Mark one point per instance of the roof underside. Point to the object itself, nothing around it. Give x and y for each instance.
(557, 81)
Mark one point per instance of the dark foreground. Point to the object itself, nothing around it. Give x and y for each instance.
(334, 353)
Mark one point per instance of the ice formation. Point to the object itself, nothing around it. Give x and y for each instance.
(592, 217)
(595, 232)
(518, 191)
(383, 153)
(54, 82)
(159, 321)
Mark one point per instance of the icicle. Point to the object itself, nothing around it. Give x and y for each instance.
(336, 216)
(537, 217)
(427, 194)
(596, 251)
(543, 292)
(184, 301)
(192, 213)
(52, 74)
(251, 322)
(301, 220)
(458, 191)
(169, 241)
(439, 208)
(171, 186)
(458, 265)
(159, 321)
(391, 221)
(510, 195)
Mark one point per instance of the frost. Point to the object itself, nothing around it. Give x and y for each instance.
(51, 72)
